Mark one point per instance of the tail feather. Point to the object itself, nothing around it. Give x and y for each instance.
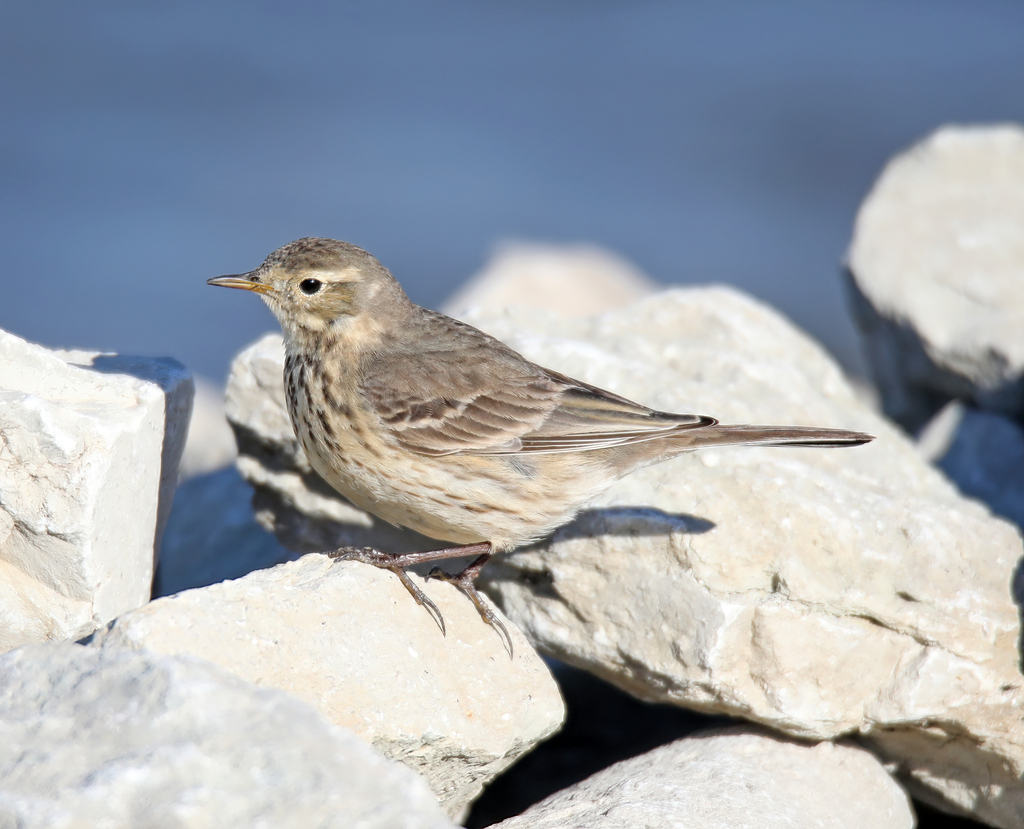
(719, 435)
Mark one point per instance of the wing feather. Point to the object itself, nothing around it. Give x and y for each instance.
(472, 395)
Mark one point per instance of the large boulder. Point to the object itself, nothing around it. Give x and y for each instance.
(121, 739)
(603, 725)
(89, 449)
(936, 271)
(821, 592)
(737, 777)
(348, 639)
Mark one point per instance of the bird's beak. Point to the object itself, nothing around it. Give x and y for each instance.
(245, 281)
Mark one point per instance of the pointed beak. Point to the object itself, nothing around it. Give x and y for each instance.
(245, 281)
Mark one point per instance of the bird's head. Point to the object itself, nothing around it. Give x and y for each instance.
(316, 286)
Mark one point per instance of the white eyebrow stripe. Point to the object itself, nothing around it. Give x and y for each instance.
(350, 274)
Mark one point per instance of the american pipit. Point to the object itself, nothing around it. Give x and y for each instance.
(433, 425)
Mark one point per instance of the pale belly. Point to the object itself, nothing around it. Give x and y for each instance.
(507, 500)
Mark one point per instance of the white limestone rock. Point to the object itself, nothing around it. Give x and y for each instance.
(89, 450)
(351, 641)
(936, 271)
(126, 739)
(820, 592)
(575, 280)
(729, 779)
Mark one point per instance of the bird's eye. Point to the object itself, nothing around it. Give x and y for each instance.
(310, 286)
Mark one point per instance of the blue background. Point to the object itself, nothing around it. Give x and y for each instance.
(145, 147)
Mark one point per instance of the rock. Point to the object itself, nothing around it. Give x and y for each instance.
(106, 737)
(211, 443)
(936, 272)
(982, 453)
(603, 725)
(350, 640)
(89, 449)
(737, 777)
(212, 535)
(820, 592)
(575, 280)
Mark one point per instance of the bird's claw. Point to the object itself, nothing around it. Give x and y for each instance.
(464, 580)
(392, 562)
(465, 583)
(421, 598)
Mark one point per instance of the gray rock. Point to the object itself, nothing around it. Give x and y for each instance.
(212, 535)
(89, 449)
(349, 640)
(820, 592)
(982, 453)
(729, 780)
(113, 738)
(603, 725)
(936, 272)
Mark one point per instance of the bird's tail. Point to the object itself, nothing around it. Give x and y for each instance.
(719, 435)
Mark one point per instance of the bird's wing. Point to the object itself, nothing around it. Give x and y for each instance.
(482, 398)
(587, 417)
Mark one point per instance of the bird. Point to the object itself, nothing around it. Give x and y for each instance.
(431, 424)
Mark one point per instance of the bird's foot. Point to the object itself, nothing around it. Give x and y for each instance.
(394, 563)
(465, 581)
(398, 563)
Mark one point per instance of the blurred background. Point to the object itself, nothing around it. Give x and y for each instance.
(146, 147)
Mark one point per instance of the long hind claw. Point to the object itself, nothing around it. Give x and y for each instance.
(397, 565)
(421, 598)
(465, 582)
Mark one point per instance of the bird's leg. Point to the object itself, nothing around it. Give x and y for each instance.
(465, 581)
(398, 563)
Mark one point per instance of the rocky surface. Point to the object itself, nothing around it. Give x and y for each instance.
(826, 594)
(89, 449)
(575, 280)
(733, 778)
(114, 738)
(603, 725)
(937, 274)
(821, 592)
(350, 640)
